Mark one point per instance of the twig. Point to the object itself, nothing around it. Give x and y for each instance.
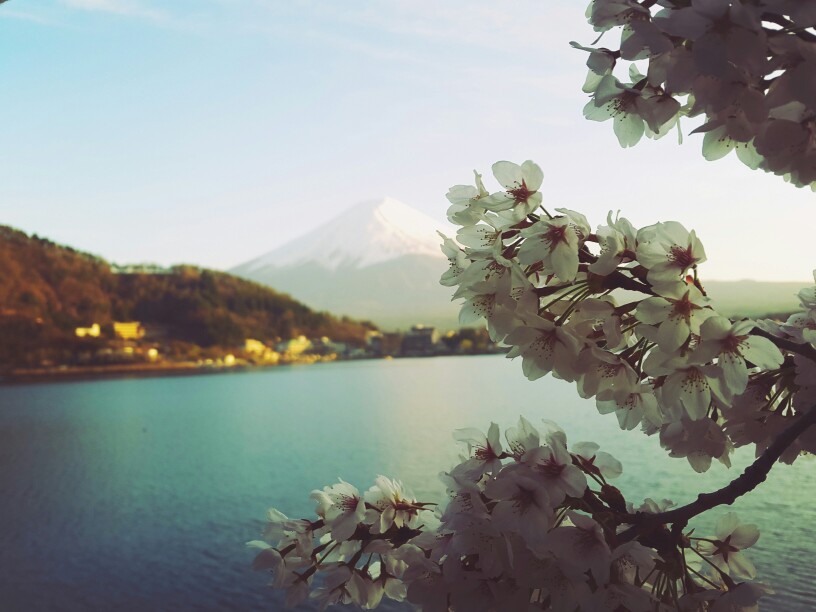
(788, 27)
(618, 280)
(753, 475)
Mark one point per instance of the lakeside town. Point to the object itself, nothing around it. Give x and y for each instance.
(137, 348)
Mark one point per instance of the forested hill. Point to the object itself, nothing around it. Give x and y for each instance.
(47, 290)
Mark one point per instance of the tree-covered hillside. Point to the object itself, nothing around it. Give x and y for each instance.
(48, 290)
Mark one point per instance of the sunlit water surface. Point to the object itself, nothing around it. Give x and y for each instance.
(139, 494)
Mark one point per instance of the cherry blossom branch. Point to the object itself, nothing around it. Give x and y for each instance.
(618, 280)
(752, 477)
(788, 25)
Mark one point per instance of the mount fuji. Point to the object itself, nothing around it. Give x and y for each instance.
(379, 260)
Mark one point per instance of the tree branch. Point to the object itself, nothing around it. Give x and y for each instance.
(618, 280)
(753, 475)
(788, 27)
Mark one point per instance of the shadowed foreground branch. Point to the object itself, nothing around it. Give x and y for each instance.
(752, 477)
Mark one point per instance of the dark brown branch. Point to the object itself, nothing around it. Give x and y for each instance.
(551, 289)
(789, 27)
(752, 477)
(615, 280)
(618, 280)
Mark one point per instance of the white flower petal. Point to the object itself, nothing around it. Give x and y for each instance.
(761, 352)
(508, 174)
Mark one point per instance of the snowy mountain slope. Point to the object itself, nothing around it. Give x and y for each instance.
(370, 233)
(380, 260)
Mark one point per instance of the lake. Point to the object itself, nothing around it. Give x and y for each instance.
(139, 494)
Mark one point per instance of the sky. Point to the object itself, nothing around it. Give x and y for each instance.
(212, 131)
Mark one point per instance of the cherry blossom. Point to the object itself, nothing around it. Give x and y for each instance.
(668, 250)
(522, 184)
(342, 507)
(725, 551)
(617, 239)
(523, 505)
(678, 311)
(632, 406)
(552, 243)
(698, 440)
(486, 452)
(583, 545)
(544, 347)
(694, 387)
(600, 371)
(457, 260)
(390, 505)
(732, 346)
(510, 539)
(554, 469)
(745, 67)
(466, 208)
(635, 109)
(595, 461)
(606, 14)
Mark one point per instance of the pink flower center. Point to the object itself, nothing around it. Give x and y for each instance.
(684, 307)
(556, 234)
(732, 344)
(521, 193)
(724, 548)
(348, 502)
(551, 468)
(485, 453)
(682, 258)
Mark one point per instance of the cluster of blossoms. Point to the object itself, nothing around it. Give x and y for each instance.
(623, 314)
(529, 525)
(532, 523)
(747, 66)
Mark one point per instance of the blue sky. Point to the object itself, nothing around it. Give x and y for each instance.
(211, 131)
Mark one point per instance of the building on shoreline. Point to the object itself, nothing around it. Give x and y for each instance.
(420, 341)
(128, 330)
(88, 332)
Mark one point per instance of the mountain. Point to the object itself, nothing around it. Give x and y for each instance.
(745, 298)
(748, 298)
(370, 233)
(48, 290)
(380, 260)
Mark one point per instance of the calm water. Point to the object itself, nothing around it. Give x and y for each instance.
(139, 494)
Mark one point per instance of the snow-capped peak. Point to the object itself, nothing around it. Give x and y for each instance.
(369, 233)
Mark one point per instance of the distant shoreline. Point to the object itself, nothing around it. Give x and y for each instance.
(141, 370)
(20, 376)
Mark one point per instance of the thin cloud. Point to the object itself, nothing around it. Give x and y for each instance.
(26, 16)
(519, 25)
(466, 45)
(125, 8)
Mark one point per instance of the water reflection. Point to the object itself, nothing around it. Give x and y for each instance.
(139, 494)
